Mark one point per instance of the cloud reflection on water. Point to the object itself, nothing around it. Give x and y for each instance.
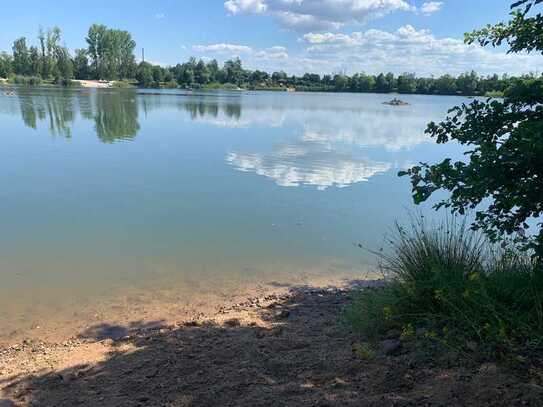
(318, 140)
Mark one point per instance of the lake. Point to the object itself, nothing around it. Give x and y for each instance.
(119, 204)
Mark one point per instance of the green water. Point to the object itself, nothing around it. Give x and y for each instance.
(109, 189)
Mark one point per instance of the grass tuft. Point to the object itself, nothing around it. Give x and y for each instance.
(450, 283)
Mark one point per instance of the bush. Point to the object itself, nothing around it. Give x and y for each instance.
(26, 80)
(451, 283)
(122, 84)
(495, 94)
(67, 83)
(170, 85)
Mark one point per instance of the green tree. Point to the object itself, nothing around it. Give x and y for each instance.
(6, 65)
(81, 64)
(158, 74)
(201, 73)
(446, 85)
(504, 165)
(96, 41)
(49, 42)
(407, 83)
(234, 71)
(384, 83)
(35, 61)
(425, 85)
(366, 83)
(213, 68)
(64, 68)
(341, 83)
(21, 57)
(467, 83)
(144, 74)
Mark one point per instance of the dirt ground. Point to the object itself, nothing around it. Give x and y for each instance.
(278, 350)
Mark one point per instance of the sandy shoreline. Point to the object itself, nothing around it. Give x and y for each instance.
(67, 311)
(287, 350)
(93, 84)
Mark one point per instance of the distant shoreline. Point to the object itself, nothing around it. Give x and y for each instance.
(101, 84)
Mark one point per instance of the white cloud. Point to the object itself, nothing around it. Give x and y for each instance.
(276, 52)
(254, 58)
(223, 48)
(406, 49)
(431, 7)
(319, 14)
(245, 6)
(411, 50)
(159, 16)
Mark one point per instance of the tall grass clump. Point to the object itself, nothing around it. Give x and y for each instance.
(451, 284)
(26, 80)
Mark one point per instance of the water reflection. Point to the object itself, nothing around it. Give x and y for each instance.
(318, 140)
(310, 164)
(116, 116)
(57, 110)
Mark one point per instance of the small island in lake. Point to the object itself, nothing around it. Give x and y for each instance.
(396, 102)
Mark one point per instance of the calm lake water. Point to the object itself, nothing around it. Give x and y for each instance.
(112, 193)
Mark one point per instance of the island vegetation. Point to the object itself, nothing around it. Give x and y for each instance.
(110, 56)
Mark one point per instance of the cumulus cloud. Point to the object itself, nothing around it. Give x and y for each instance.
(254, 58)
(406, 49)
(319, 14)
(412, 50)
(276, 52)
(245, 6)
(159, 16)
(431, 7)
(223, 48)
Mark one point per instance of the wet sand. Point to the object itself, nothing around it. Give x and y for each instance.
(57, 317)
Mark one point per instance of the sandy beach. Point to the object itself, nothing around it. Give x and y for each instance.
(94, 84)
(287, 349)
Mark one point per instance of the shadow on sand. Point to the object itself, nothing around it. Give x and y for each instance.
(298, 353)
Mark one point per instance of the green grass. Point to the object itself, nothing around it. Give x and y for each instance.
(495, 94)
(452, 284)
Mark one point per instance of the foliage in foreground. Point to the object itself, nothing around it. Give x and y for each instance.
(504, 170)
(448, 283)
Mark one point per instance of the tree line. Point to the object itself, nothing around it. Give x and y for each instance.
(110, 56)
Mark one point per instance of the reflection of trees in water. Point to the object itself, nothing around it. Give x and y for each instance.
(116, 116)
(84, 100)
(205, 108)
(200, 108)
(114, 113)
(57, 108)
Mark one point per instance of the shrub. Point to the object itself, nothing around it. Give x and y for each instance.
(454, 285)
(122, 84)
(170, 85)
(495, 94)
(26, 80)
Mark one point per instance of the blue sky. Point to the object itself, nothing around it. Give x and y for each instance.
(323, 36)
